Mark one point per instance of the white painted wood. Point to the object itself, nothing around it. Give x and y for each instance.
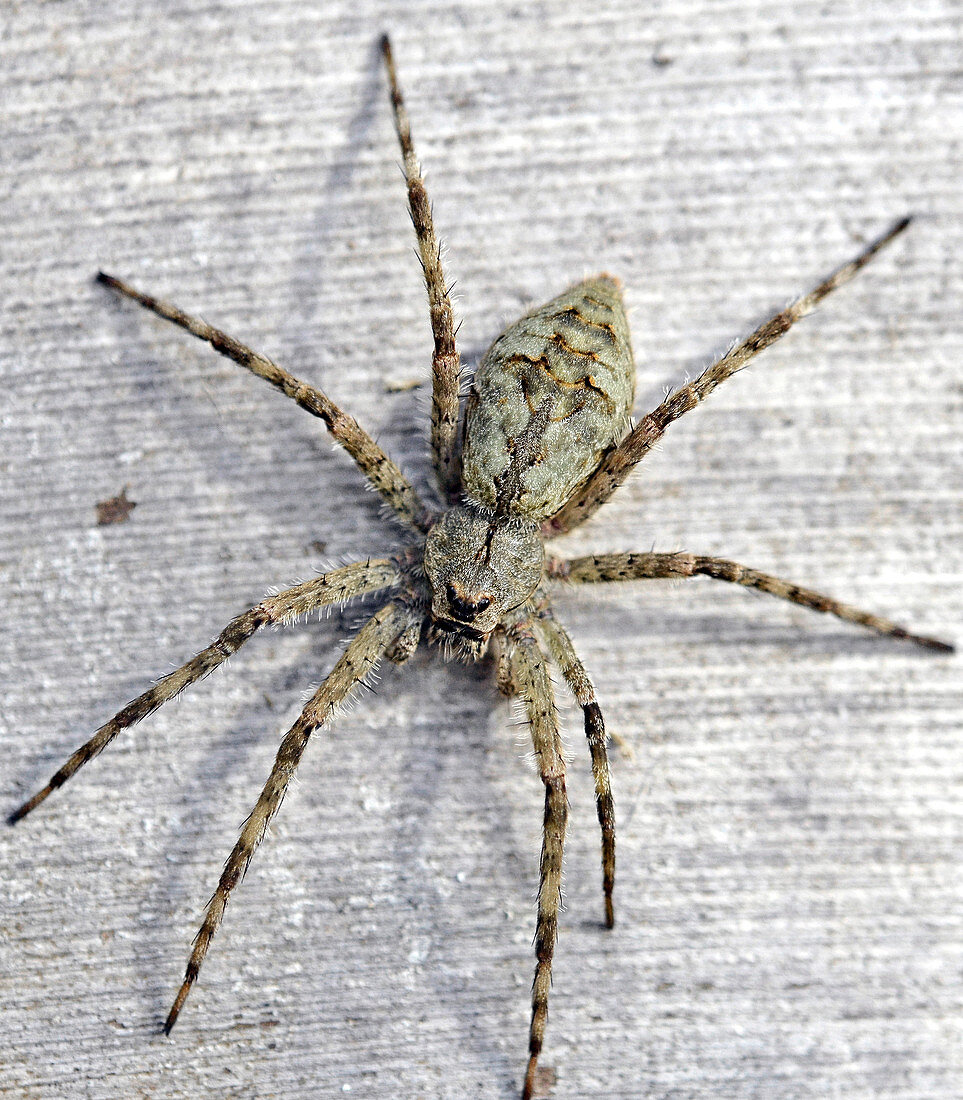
(790, 892)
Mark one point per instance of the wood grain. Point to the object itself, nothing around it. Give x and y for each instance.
(789, 894)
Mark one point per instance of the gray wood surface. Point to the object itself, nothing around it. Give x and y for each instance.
(790, 894)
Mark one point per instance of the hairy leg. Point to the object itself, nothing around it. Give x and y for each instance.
(404, 647)
(626, 567)
(563, 652)
(362, 655)
(616, 466)
(502, 653)
(531, 676)
(383, 474)
(330, 588)
(445, 363)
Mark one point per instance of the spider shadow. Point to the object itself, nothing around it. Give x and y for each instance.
(166, 889)
(761, 622)
(311, 260)
(447, 770)
(403, 432)
(430, 761)
(211, 447)
(262, 715)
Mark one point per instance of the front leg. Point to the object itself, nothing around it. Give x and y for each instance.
(381, 471)
(628, 567)
(445, 362)
(619, 462)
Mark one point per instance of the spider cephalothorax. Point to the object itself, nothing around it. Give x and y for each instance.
(546, 441)
(480, 566)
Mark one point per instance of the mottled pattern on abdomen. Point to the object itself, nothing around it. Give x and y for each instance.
(549, 396)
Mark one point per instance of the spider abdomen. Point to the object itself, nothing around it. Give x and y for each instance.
(549, 396)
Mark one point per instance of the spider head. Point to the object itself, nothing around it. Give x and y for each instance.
(480, 566)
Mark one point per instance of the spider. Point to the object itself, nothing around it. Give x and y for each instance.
(541, 442)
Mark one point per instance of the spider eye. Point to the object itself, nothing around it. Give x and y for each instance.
(465, 609)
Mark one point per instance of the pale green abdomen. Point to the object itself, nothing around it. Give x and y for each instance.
(550, 395)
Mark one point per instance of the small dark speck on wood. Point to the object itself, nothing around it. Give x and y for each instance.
(115, 510)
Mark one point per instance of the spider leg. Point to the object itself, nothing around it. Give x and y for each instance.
(530, 672)
(562, 650)
(445, 363)
(616, 466)
(501, 650)
(329, 588)
(361, 656)
(404, 647)
(625, 567)
(384, 474)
